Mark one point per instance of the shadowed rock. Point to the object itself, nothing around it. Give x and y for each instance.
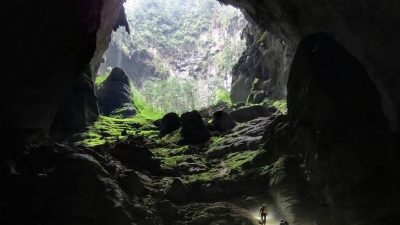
(222, 121)
(115, 96)
(250, 113)
(169, 123)
(193, 129)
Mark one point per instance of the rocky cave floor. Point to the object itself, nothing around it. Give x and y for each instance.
(122, 172)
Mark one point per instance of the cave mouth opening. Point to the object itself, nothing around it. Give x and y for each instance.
(179, 54)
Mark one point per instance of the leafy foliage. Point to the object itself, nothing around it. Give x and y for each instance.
(171, 95)
(174, 24)
(145, 109)
(223, 95)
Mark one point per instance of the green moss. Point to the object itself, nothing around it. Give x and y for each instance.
(208, 176)
(174, 137)
(174, 160)
(109, 129)
(100, 79)
(235, 161)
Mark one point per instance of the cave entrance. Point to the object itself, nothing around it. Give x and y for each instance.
(179, 54)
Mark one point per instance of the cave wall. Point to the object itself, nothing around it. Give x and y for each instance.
(139, 65)
(368, 29)
(49, 46)
(262, 70)
(341, 138)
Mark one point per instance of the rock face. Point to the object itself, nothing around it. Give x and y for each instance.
(169, 123)
(193, 129)
(359, 26)
(115, 94)
(262, 70)
(59, 41)
(339, 135)
(139, 66)
(244, 136)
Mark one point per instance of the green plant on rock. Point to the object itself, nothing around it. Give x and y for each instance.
(281, 105)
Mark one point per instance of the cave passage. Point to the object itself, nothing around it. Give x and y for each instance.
(200, 114)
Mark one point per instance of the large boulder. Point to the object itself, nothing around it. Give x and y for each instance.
(193, 129)
(222, 121)
(169, 123)
(115, 95)
(248, 113)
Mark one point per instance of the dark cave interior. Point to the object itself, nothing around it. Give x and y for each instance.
(333, 159)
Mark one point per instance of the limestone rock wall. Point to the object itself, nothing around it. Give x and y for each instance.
(262, 71)
(49, 47)
(368, 29)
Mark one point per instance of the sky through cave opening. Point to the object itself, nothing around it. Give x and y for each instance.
(179, 54)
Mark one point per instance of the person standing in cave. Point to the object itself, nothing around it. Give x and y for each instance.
(263, 214)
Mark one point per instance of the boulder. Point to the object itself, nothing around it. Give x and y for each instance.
(249, 113)
(80, 188)
(169, 123)
(136, 157)
(178, 191)
(115, 96)
(193, 129)
(222, 121)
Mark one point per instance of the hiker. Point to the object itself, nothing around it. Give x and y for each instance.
(284, 222)
(263, 214)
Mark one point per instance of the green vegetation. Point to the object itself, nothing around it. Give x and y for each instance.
(146, 110)
(192, 47)
(235, 161)
(223, 95)
(109, 129)
(174, 137)
(228, 57)
(175, 24)
(171, 95)
(100, 79)
(281, 105)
